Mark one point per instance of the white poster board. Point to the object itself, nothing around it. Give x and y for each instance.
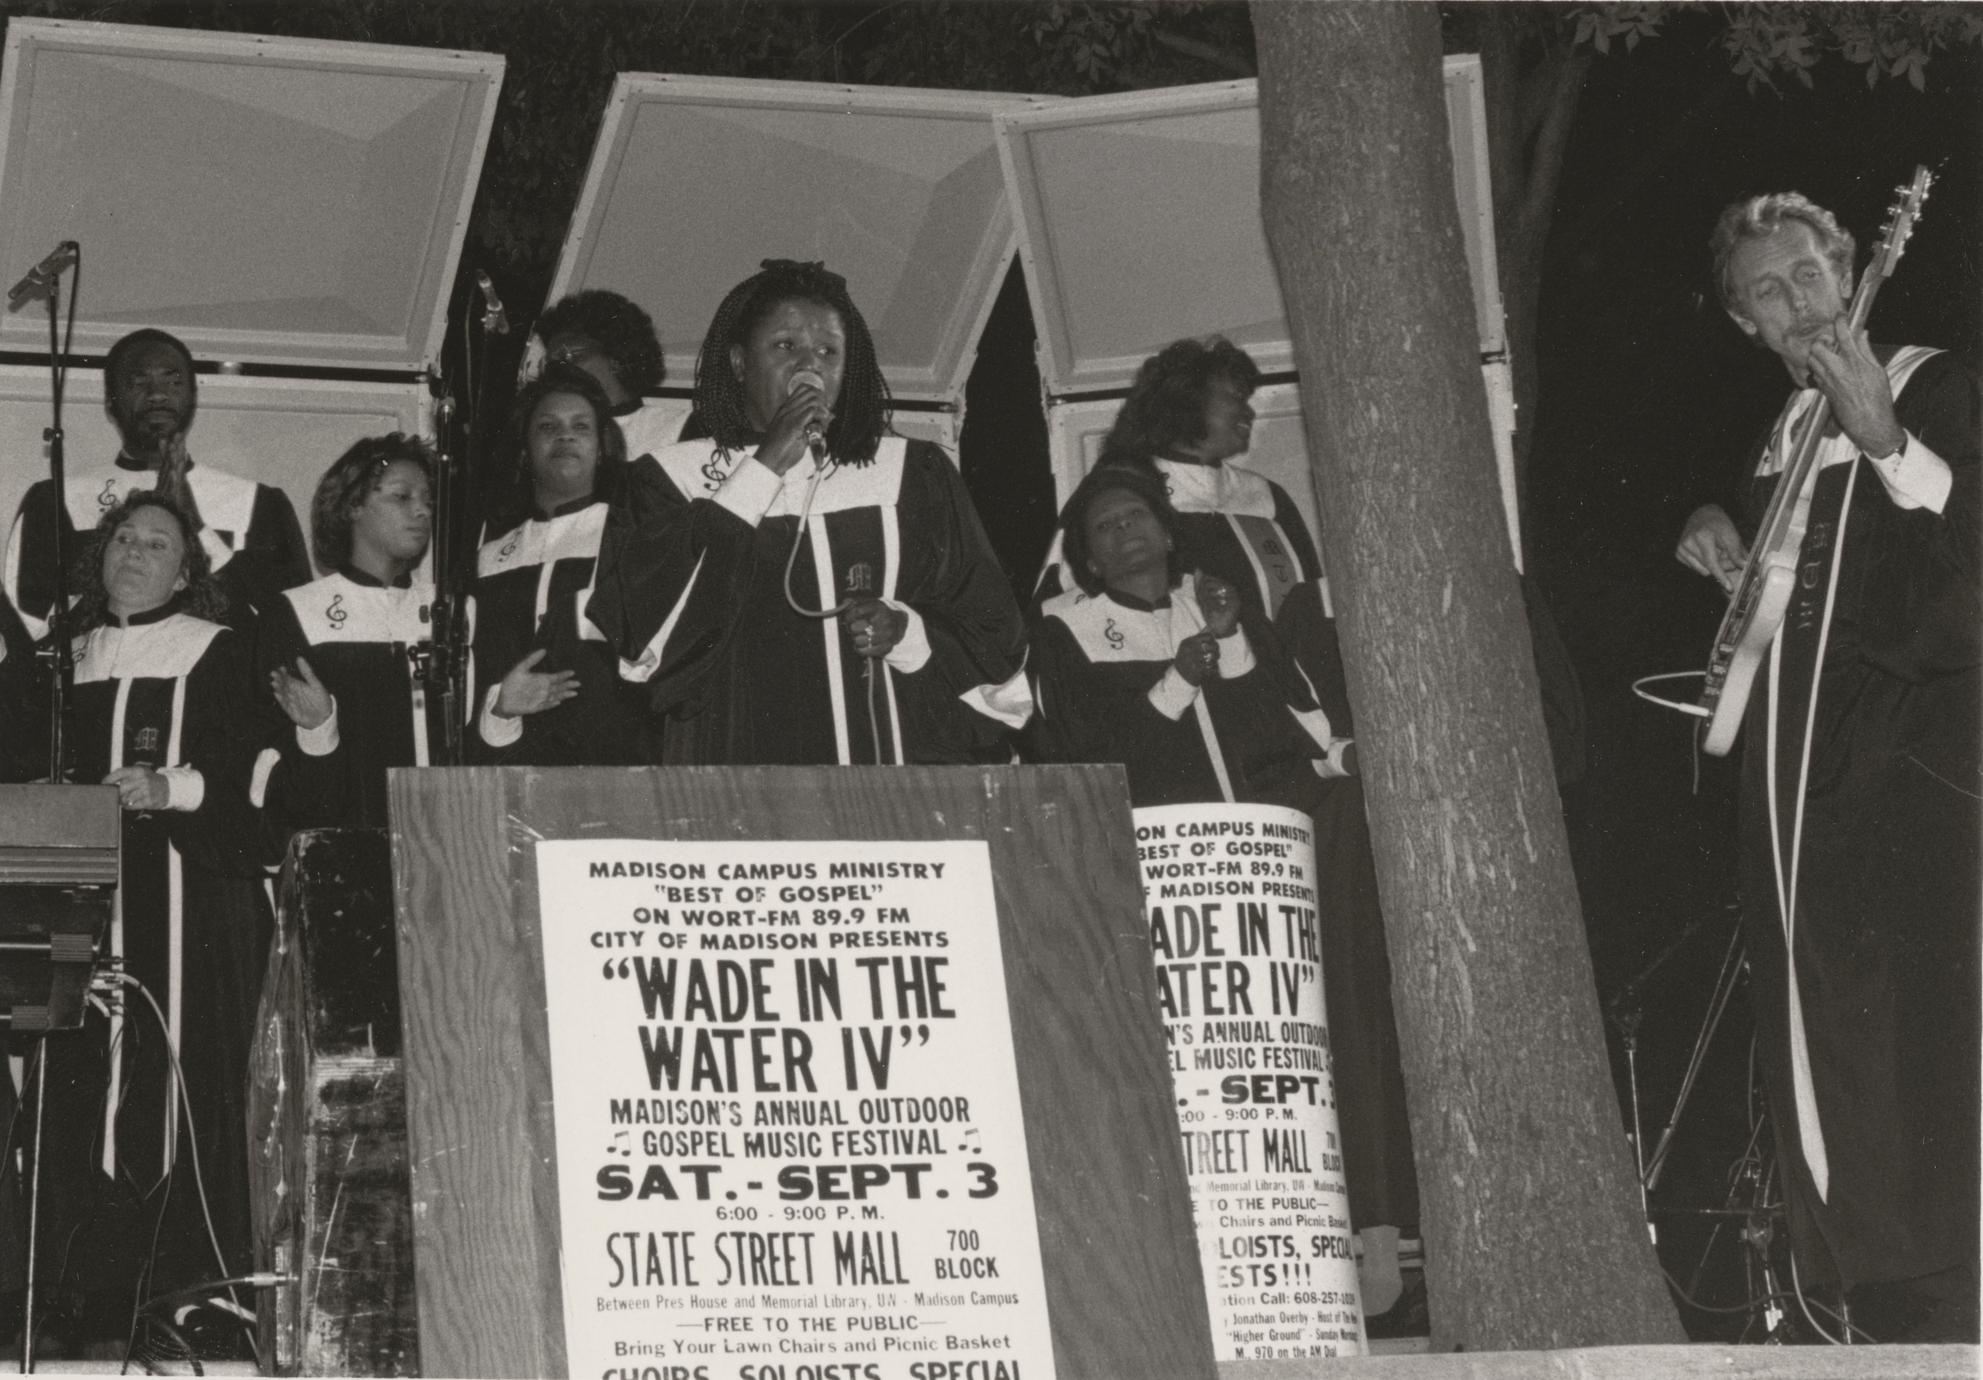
(1232, 910)
(788, 1117)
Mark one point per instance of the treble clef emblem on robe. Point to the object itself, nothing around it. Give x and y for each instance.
(107, 500)
(714, 473)
(1114, 635)
(335, 613)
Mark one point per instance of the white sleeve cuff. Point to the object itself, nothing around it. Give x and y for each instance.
(185, 788)
(1010, 702)
(750, 490)
(258, 785)
(1235, 655)
(1315, 723)
(1334, 764)
(498, 730)
(1915, 476)
(320, 741)
(912, 653)
(1172, 695)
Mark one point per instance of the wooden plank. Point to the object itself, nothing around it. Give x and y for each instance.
(1124, 1291)
(485, 1201)
(1635, 1363)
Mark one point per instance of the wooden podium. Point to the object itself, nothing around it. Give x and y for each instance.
(1119, 1259)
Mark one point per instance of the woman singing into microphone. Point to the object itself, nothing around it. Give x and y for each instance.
(802, 588)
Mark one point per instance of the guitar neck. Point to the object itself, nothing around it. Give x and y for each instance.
(1804, 452)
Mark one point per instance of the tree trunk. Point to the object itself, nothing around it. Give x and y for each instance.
(1531, 1213)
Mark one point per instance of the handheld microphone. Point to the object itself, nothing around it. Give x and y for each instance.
(494, 319)
(34, 286)
(815, 438)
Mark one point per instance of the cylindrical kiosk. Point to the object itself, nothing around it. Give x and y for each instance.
(1231, 900)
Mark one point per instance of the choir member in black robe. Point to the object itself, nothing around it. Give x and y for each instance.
(801, 588)
(23, 737)
(1175, 679)
(1860, 788)
(248, 529)
(1186, 419)
(612, 339)
(135, 1175)
(557, 698)
(1131, 668)
(345, 654)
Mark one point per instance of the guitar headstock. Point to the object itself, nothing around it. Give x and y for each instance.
(1901, 217)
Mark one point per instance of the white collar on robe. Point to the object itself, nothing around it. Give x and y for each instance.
(1220, 488)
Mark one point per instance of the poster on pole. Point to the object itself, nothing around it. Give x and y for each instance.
(789, 1135)
(1231, 899)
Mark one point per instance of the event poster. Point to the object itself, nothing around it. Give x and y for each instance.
(1230, 892)
(788, 1125)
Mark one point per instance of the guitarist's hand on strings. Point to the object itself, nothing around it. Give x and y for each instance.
(1710, 545)
(1856, 384)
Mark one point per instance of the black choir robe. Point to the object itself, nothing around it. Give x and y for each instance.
(692, 595)
(532, 584)
(249, 531)
(192, 922)
(1104, 690)
(1232, 523)
(1887, 877)
(364, 640)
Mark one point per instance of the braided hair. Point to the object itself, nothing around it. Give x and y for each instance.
(1140, 480)
(860, 414)
(1165, 408)
(624, 332)
(350, 480)
(202, 597)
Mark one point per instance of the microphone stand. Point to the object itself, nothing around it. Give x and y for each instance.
(59, 654)
(62, 660)
(446, 666)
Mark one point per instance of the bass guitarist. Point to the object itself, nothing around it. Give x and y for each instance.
(1860, 787)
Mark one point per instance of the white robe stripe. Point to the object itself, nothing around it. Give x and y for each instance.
(829, 629)
(643, 670)
(175, 950)
(891, 563)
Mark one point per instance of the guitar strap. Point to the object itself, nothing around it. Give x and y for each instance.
(1840, 449)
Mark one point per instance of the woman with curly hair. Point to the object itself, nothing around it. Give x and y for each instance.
(345, 654)
(1186, 419)
(161, 693)
(559, 700)
(802, 588)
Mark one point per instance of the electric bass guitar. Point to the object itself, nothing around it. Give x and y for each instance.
(1761, 597)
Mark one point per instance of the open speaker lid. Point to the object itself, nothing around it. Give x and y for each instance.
(695, 180)
(1139, 224)
(268, 200)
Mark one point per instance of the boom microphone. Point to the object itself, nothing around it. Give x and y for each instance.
(35, 285)
(494, 319)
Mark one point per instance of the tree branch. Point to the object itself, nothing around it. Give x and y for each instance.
(1222, 58)
(1545, 162)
